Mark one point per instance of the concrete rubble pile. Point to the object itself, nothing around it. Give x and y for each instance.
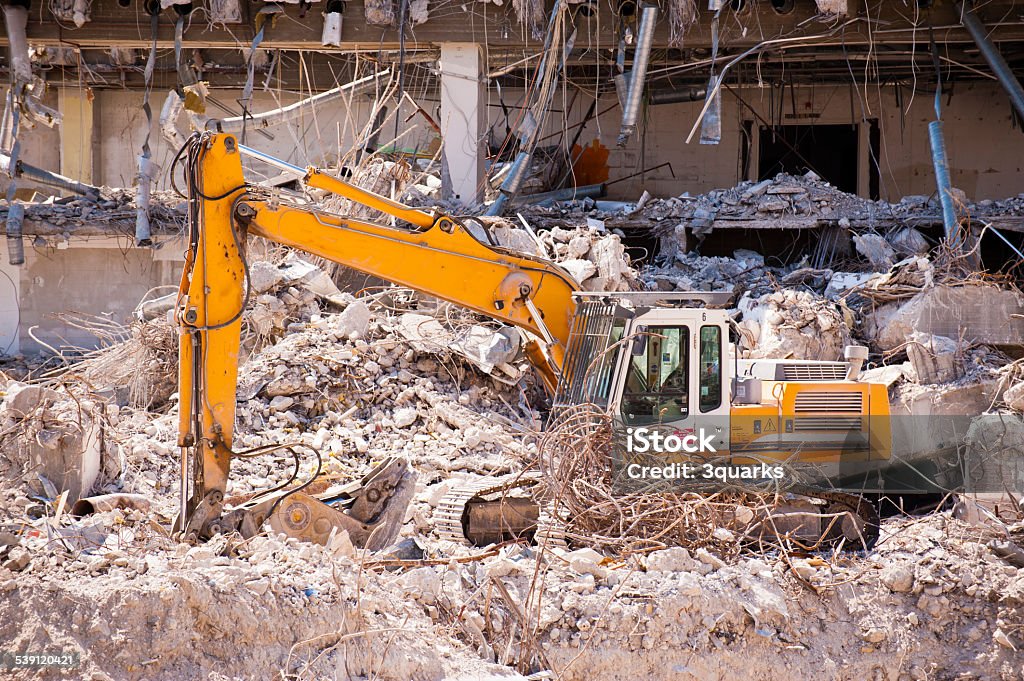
(113, 211)
(394, 373)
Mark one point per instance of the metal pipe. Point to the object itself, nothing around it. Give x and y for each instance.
(636, 85)
(510, 186)
(941, 163)
(272, 161)
(678, 96)
(528, 139)
(292, 111)
(109, 502)
(16, 21)
(15, 243)
(45, 177)
(143, 236)
(569, 194)
(995, 60)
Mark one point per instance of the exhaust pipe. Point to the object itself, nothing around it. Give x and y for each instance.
(855, 355)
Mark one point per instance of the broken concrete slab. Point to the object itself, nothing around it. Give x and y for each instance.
(23, 399)
(64, 445)
(887, 375)
(264, 276)
(581, 270)
(995, 453)
(485, 347)
(975, 314)
(933, 358)
(876, 250)
(842, 283)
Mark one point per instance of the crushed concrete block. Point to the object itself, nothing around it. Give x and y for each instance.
(288, 383)
(513, 238)
(886, 375)
(909, 241)
(587, 561)
(22, 399)
(748, 258)
(502, 567)
(264, 276)
(404, 416)
(354, 320)
(933, 358)
(792, 324)
(995, 453)
(64, 445)
(898, 577)
(581, 270)
(1014, 396)
(579, 246)
(876, 250)
(485, 347)
(710, 559)
(977, 314)
(842, 282)
(281, 403)
(609, 255)
(673, 559)
(17, 559)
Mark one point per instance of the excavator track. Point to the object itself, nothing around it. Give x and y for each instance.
(450, 516)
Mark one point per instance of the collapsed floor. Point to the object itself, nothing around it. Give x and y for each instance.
(391, 373)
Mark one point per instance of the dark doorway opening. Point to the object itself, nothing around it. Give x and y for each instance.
(831, 151)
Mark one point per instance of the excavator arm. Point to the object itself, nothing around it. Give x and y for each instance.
(436, 254)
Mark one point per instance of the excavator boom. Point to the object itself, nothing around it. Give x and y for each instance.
(435, 254)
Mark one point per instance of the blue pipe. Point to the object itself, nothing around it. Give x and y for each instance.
(942, 182)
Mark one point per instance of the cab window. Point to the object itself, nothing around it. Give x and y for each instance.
(710, 368)
(657, 384)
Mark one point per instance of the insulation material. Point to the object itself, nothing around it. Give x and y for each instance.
(331, 35)
(225, 11)
(681, 15)
(77, 12)
(530, 14)
(419, 11)
(380, 12)
(838, 8)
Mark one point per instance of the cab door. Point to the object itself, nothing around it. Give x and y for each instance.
(673, 374)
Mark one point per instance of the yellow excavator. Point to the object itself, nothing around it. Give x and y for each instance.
(645, 357)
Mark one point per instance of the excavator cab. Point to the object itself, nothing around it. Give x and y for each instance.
(651, 359)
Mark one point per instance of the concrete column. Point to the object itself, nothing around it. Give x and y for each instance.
(10, 295)
(463, 121)
(76, 134)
